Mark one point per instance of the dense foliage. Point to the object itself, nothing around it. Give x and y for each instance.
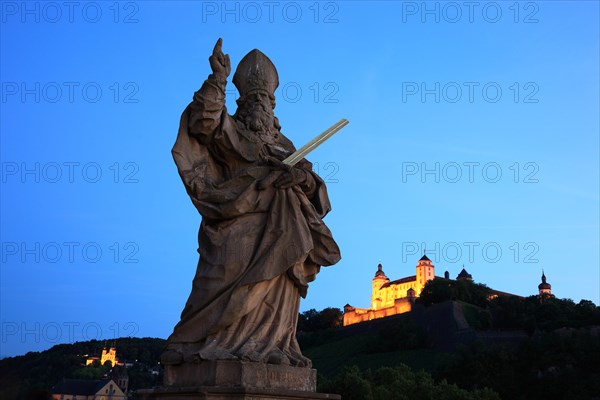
(559, 365)
(319, 328)
(440, 290)
(42, 370)
(313, 320)
(512, 312)
(548, 314)
(398, 383)
(558, 358)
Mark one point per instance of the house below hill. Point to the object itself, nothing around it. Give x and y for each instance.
(83, 389)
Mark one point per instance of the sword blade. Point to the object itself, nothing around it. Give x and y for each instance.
(316, 142)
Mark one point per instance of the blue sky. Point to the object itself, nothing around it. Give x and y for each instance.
(474, 132)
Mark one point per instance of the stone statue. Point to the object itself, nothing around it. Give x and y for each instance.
(262, 236)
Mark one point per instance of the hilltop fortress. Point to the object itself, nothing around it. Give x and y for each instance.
(397, 297)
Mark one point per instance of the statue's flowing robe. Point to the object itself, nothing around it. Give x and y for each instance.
(259, 246)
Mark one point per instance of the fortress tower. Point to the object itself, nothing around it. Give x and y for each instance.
(545, 288)
(377, 297)
(425, 272)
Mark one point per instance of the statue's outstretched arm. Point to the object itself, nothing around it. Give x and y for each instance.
(208, 106)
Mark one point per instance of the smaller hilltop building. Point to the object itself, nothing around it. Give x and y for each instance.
(545, 288)
(109, 355)
(397, 297)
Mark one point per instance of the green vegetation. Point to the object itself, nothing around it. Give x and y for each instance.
(42, 370)
(313, 320)
(530, 313)
(440, 290)
(400, 341)
(556, 359)
(510, 312)
(92, 372)
(554, 356)
(398, 383)
(559, 365)
(476, 317)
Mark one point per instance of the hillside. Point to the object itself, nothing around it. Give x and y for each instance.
(42, 370)
(519, 348)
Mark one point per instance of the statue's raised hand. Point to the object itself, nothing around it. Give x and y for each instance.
(219, 62)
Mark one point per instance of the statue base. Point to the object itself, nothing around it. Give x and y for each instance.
(221, 393)
(233, 380)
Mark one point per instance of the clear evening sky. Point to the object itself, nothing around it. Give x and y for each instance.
(474, 132)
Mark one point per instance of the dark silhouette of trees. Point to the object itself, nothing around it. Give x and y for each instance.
(533, 313)
(313, 320)
(440, 290)
(398, 383)
(558, 365)
(36, 371)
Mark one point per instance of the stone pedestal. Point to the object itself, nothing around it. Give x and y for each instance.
(220, 393)
(232, 380)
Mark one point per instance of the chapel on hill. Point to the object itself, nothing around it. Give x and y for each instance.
(108, 354)
(398, 296)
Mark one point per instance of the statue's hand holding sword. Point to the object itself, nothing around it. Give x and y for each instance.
(295, 176)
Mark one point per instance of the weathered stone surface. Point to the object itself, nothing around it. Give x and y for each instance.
(240, 374)
(262, 238)
(219, 393)
(216, 380)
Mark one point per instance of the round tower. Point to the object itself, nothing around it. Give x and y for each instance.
(379, 280)
(545, 288)
(425, 272)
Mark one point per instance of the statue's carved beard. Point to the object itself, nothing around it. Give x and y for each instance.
(257, 117)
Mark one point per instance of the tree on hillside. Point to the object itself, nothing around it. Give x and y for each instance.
(42, 370)
(313, 320)
(559, 365)
(530, 313)
(398, 383)
(440, 290)
(92, 371)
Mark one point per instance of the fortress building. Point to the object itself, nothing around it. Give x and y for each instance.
(397, 297)
(392, 297)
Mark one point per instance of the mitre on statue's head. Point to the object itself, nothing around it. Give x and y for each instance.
(255, 72)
